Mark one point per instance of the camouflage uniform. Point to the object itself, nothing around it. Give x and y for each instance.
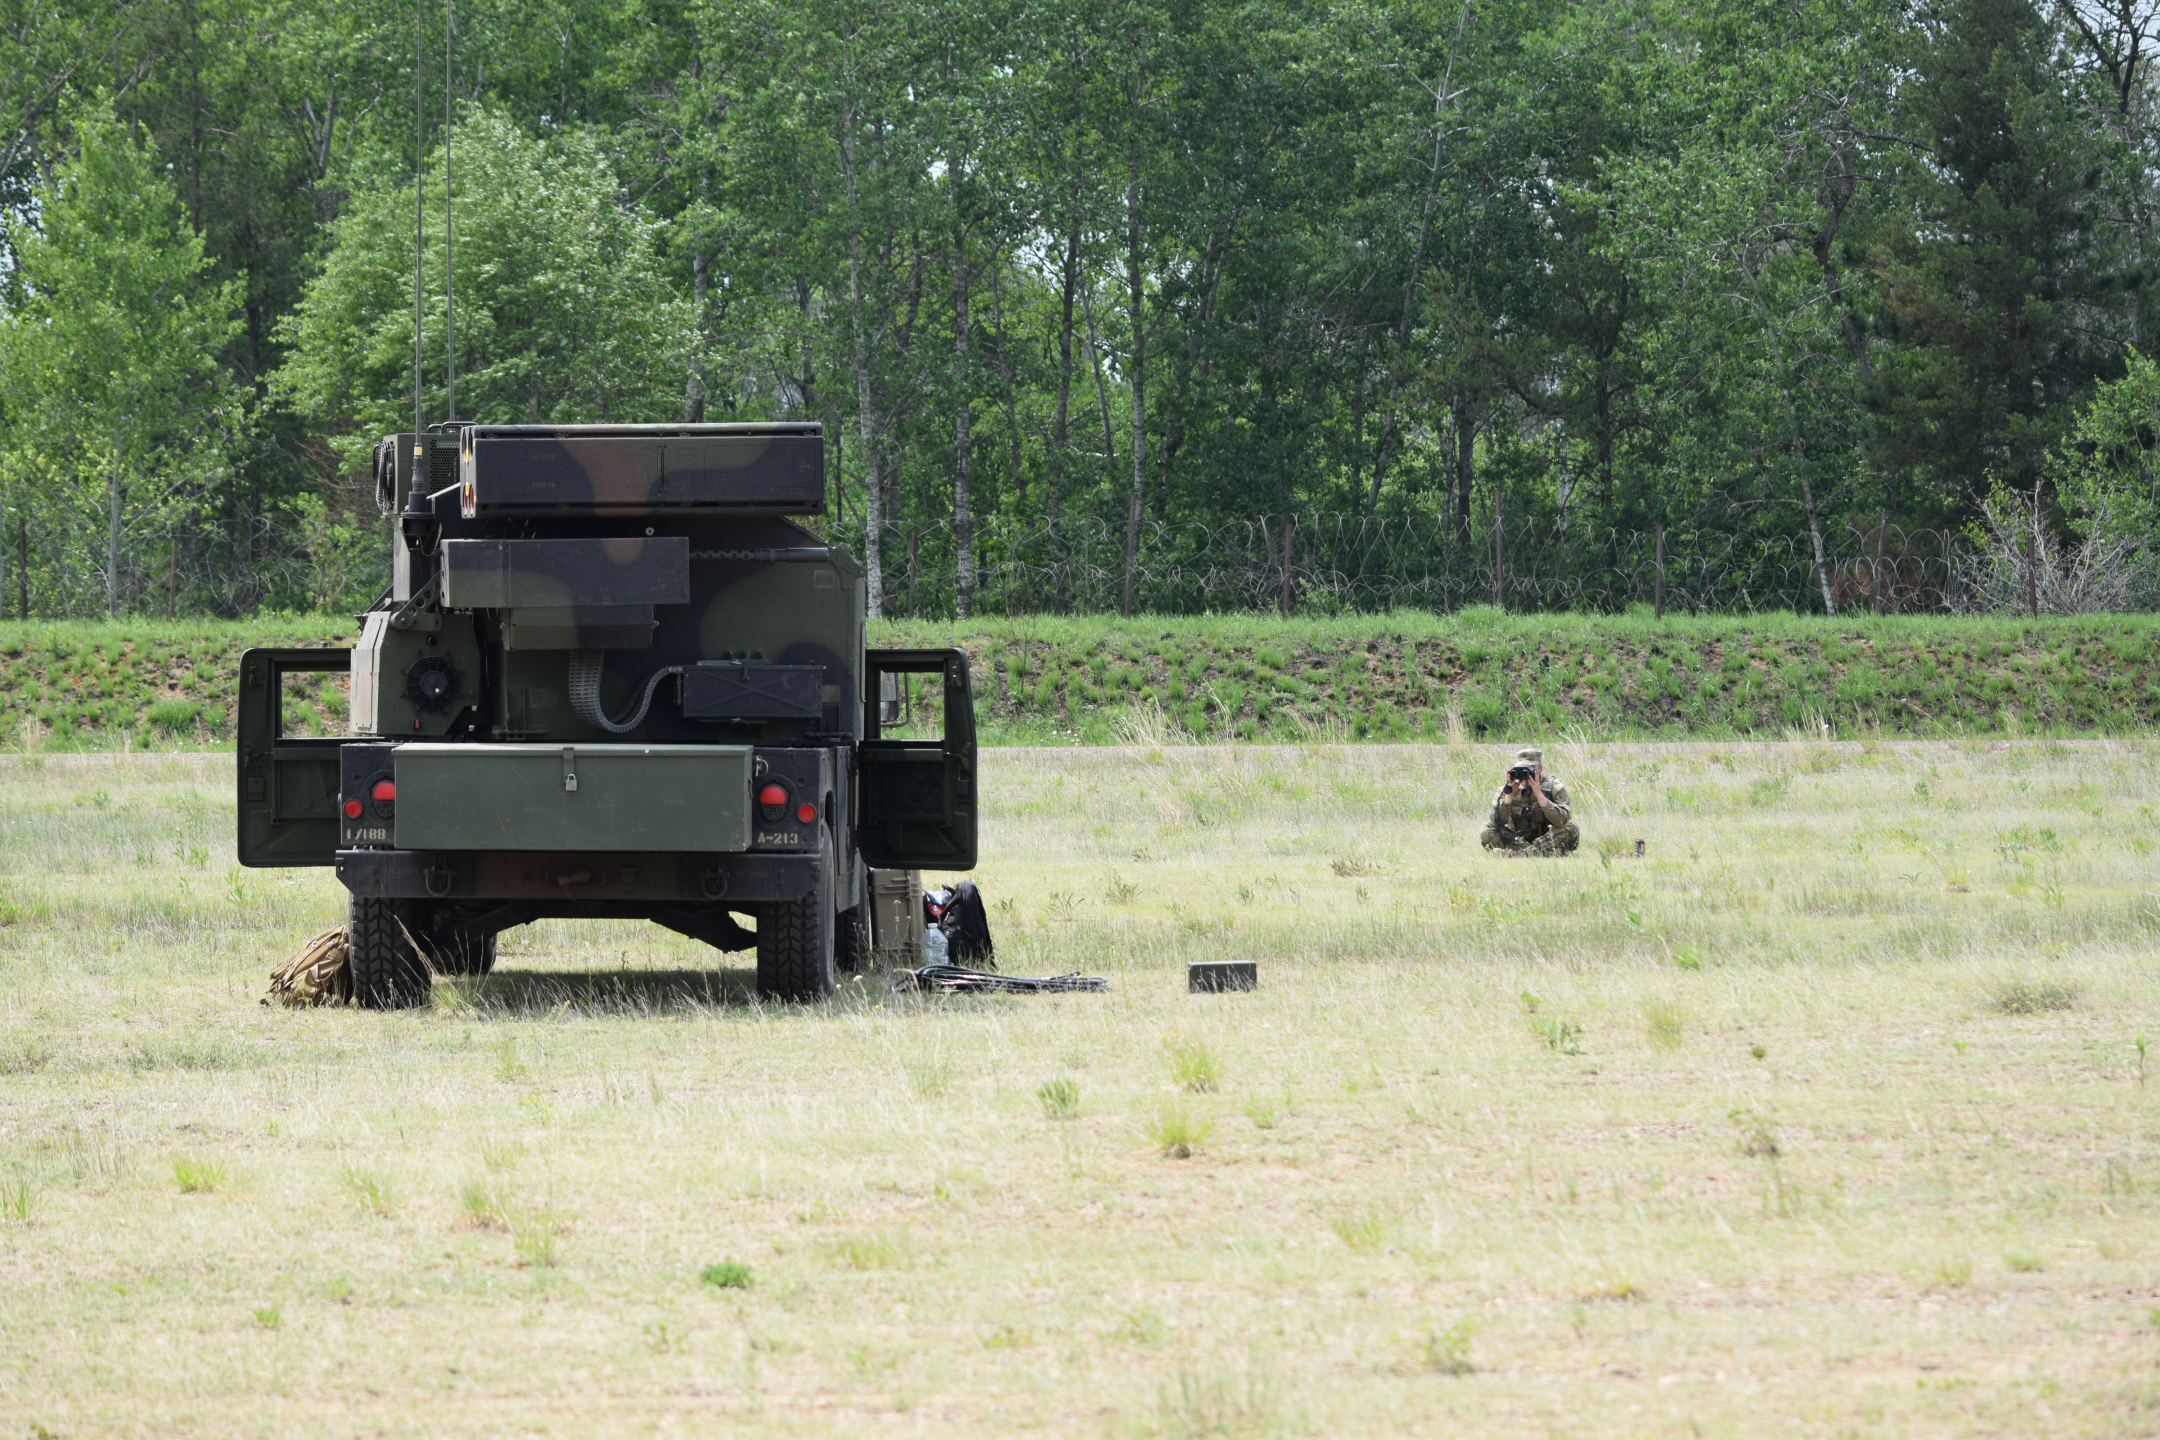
(1520, 826)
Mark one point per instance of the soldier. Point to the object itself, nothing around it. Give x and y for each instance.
(1530, 814)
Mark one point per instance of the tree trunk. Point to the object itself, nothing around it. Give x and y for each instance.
(112, 540)
(1060, 431)
(1464, 419)
(694, 389)
(1005, 375)
(1135, 295)
(963, 516)
(865, 400)
(1814, 530)
(1102, 388)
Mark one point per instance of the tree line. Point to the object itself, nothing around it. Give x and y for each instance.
(1832, 278)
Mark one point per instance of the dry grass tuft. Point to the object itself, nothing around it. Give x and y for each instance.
(1177, 1131)
(2033, 997)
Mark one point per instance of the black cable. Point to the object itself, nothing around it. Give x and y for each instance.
(955, 979)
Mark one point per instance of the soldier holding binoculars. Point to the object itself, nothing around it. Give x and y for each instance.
(1530, 815)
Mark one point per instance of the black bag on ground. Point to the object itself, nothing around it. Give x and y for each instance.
(967, 928)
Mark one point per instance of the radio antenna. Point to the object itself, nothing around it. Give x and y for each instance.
(419, 415)
(449, 268)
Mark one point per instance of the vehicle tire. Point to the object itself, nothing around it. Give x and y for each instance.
(462, 953)
(851, 935)
(388, 972)
(851, 941)
(795, 940)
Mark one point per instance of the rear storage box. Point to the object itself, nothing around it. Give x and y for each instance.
(896, 918)
(573, 797)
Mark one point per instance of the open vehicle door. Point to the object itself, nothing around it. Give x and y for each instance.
(288, 783)
(918, 797)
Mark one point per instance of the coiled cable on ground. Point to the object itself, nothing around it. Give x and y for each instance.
(585, 691)
(951, 979)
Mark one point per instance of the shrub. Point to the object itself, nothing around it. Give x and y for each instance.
(1060, 1098)
(173, 716)
(199, 1177)
(1447, 1352)
(370, 1189)
(2033, 997)
(1666, 1023)
(1483, 711)
(726, 1275)
(1194, 1064)
(1178, 1132)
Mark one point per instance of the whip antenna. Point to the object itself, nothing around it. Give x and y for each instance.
(449, 267)
(419, 418)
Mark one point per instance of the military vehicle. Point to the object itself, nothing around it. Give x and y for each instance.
(611, 678)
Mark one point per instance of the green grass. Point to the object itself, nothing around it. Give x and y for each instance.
(1474, 675)
(142, 684)
(1481, 674)
(1860, 1191)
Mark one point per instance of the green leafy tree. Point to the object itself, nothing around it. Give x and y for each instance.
(2003, 293)
(563, 313)
(116, 405)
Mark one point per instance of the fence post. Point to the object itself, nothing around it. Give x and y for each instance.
(1499, 554)
(2032, 573)
(1657, 608)
(1289, 533)
(1882, 523)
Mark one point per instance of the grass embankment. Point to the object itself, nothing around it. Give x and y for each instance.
(1043, 680)
(1831, 1116)
(138, 684)
(1480, 673)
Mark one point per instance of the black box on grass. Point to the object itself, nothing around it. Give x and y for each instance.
(1213, 977)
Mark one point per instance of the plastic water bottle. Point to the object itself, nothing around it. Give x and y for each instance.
(933, 946)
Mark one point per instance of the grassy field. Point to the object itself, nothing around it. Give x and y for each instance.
(1406, 677)
(1828, 1117)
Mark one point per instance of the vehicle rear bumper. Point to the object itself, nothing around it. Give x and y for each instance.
(558, 875)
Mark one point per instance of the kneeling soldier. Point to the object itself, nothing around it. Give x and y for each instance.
(1530, 814)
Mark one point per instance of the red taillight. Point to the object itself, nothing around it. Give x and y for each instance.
(773, 797)
(385, 790)
(806, 812)
(352, 809)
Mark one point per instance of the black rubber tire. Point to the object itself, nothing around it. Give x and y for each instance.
(851, 935)
(388, 973)
(851, 941)
(457, 954)
(795, 941)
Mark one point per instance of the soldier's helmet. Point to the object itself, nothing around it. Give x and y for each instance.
(1528, 756)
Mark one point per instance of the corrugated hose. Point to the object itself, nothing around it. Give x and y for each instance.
(585, 691)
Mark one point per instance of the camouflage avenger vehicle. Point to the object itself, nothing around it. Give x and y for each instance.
(611, 678)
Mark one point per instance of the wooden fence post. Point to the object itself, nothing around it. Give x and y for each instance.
(1657, 608)
(1882, 523)
(1289, 533)
(1499, 555)
(2032, 573)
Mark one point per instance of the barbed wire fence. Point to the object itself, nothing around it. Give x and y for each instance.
(1323, 563)
(1310, 563)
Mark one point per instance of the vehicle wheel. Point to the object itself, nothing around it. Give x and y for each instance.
(388, 972)
(462, 953)
(851, 941)
(851, 935)
(795, 941)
